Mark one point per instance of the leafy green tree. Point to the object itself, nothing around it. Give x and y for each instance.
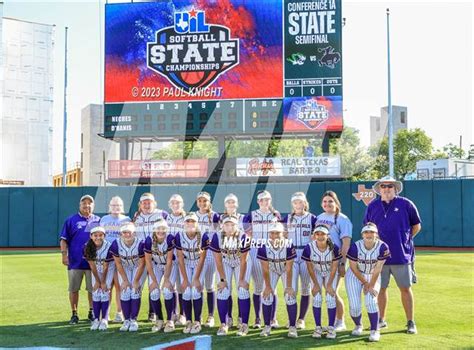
(454, 151)
(409, 146)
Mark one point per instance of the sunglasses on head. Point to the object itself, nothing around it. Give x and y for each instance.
(387, 186)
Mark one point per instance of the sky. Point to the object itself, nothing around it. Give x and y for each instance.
(431, 64)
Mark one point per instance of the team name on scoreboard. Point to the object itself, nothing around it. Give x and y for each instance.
(192, 53)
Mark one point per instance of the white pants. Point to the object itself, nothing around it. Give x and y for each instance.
(274, 278)
(99, 294)
(191, 293)
(234, 273)
(300, 271)
(159, 272)
(354, 290)
(323, 282)
(257, 272)
(131, 293)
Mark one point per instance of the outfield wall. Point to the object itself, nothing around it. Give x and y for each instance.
(33, 217)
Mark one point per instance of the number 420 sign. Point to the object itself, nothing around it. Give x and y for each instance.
(365, 195)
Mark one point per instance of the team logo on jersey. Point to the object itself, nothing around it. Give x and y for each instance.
(192, 53)
(312, 114)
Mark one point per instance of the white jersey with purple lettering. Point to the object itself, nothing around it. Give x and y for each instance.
(208, 224)
(130, 259)
(112, 225)
(175, 223)
(103, 255)
(322, 260)
(144, 223)
(366, 260)
(299, 228)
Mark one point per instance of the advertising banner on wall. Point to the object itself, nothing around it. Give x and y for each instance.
(314, 166)
(156, 169)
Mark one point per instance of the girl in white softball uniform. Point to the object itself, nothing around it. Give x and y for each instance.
(366, 259)
(159, 258)
(276, 258)
(231, 255)
(175, 221)
(129, 260)
(96, 252)
(259, 222)
(299, 225)
(322, 259)
(191, 248)
(208, 221)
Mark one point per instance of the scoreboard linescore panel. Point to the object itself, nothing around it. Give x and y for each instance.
(191, 68)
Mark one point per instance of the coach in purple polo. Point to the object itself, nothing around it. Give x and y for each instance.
(73, 237)
(398, 222)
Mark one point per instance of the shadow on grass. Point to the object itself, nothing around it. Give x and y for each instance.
(61, 334)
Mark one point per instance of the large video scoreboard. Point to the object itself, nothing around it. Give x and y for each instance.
(188, 68)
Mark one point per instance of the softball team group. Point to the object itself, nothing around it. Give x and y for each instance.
(184, 254)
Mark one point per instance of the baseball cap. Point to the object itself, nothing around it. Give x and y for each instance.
(204, 194)
(129, 227)
(160, 223)
(87, 196)
(370, 227)
(147, 196)
(276, 226)
(230, 218)
(233, 197)
(264, 195)
(191, 217)
(321, 228)
(298, 196)
(98, 229)
(176, 197)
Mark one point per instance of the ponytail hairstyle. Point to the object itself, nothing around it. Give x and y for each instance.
(333, 195)
(330, 243)
(90, 251)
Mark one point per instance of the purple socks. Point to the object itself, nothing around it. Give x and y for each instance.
(244, 309)
(257, 305)
(304, 306)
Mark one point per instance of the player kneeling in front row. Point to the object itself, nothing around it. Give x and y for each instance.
(231, 255)
(366, 259)
(276, 259)
(159, 256)
(191, 248)
(97, 254)
(322, 257)
(130, 263)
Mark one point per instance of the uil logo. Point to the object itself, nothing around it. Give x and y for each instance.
(192, 53)
(312, 115)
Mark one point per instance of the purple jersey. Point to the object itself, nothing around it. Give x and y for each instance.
(394, 221)
(276, 257)
(76, 232)
(322, 260)
(367, 258)
(159, 252)
(129, 255)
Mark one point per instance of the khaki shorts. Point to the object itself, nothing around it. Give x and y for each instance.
(75, 280)
(403, 275)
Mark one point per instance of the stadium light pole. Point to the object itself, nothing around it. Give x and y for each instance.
(390, 115)
(65, 110)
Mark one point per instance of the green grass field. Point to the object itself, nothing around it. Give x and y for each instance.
(35, 311)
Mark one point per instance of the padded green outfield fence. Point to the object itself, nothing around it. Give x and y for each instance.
(33, 217)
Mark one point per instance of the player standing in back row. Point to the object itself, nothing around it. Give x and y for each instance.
(208, 222)
(259, 223)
